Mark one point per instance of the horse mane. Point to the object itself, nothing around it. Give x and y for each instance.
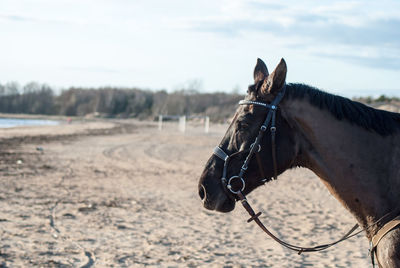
(382, 122)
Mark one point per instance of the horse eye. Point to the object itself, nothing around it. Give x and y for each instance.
(242, 126)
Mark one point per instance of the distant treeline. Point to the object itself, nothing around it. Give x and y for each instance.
(35, 98)
(380, 99)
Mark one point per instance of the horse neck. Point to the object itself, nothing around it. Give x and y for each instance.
(358, 166)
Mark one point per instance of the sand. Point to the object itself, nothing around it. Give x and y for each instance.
(123, 194)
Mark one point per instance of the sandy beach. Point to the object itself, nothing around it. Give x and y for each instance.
(124, 194)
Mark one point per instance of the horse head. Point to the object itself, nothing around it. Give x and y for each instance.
(225, 172)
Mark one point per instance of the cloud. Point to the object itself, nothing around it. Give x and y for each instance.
(266, 5)
(380, 32)
(125, 41)
(373, 62)
(309, 27)
(93, 69)
(28, 19)
(18, 18)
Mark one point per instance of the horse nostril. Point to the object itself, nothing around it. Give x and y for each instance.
(202, 192)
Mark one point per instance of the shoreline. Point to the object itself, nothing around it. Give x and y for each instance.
(38, 116)
(76, 129)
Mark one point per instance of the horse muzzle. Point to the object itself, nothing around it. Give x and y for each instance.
(216, 199)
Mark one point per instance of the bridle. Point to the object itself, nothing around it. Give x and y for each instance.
(255, 147)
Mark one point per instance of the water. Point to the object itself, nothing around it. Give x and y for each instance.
(15, 122)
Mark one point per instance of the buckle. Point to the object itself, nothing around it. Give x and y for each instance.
(259, 147)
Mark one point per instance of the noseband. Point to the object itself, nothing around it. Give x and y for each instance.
(255, 147)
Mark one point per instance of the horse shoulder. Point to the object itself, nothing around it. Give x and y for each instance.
(388, 249)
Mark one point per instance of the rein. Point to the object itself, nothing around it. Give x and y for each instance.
(298, 249)
(255, 147)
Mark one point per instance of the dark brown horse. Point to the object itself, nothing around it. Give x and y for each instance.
(353, 148)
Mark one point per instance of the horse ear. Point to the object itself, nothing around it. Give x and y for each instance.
(260, 71)
(276, 80)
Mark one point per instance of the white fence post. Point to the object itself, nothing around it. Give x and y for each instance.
(182, 123)
(160, 122)
(207, 125)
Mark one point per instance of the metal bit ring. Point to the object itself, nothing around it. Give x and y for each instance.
(229, 186)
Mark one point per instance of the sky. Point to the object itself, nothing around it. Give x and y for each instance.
(351, 48)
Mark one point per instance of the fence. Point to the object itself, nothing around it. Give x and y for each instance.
(182, 121)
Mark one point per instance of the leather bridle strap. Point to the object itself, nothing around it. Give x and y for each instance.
(260, 166)
(225, 157)
(254, 216)
(273, 146)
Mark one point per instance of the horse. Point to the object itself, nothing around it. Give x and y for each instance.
(353, 148)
